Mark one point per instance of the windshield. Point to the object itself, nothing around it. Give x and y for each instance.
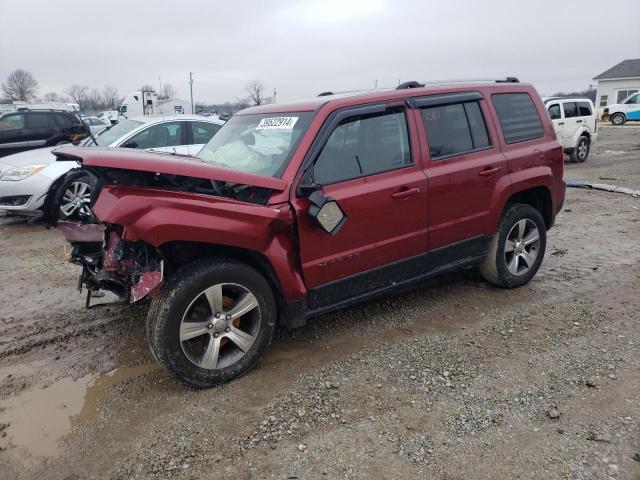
(107, 137)
(259, 144)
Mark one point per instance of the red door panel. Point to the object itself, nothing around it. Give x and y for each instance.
(460, 194)
(380, 227)
(461, 187)
(386, 219)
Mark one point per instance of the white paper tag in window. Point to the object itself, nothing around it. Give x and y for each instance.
(277, 123)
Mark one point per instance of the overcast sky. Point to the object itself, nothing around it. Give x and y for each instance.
(305, 47)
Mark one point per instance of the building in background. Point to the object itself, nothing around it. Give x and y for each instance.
(618, 83)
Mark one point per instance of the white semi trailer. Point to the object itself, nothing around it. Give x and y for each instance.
(141, 103)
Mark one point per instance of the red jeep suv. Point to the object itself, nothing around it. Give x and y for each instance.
(294, 210)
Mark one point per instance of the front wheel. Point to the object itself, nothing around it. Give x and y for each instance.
(73, 199)
(618, 119)
(517, 248)
(212, 321)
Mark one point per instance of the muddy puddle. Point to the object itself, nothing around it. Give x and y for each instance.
(36, 422)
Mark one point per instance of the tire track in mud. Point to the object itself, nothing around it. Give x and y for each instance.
(19, 338)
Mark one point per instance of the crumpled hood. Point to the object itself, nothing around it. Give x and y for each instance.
(39, 156)
(130, 159)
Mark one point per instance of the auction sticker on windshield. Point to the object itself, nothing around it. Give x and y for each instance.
(277, 123)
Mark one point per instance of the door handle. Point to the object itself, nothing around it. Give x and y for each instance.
(560, 123)
(405, 192)
(578, 121)
(487, 172)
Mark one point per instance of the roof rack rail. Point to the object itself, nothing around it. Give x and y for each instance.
(474, 80)
(353, 92)
(409, 84)
(27, 109)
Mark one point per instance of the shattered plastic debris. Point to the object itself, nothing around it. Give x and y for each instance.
(603, 186)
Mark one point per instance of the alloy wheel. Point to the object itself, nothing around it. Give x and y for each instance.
(76, 200)
(583, 149)
(521, 247)
(220, 326)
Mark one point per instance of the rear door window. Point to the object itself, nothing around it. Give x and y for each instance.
(570, 109)
(203, 131)
(455, 129)
(157, 136)
(39, 120)
(518, 117)
(584, 109)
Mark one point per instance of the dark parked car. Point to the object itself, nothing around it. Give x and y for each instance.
(29, 129)
(295, 210)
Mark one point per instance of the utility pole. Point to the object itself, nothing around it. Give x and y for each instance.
(274, 95)
(191, 89)
(160, 83)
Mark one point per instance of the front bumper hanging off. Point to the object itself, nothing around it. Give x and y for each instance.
(131, 270)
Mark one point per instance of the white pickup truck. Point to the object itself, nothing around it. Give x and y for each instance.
(574, 120)
(629, 109)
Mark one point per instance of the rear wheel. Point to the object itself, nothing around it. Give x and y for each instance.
(517, 248)
(618, 119)
(581, 152)
(212, 322)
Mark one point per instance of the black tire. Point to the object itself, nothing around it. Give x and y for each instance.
(494, 268)
(618, 119)
(178, 295)
(581, 152)
(83, 213)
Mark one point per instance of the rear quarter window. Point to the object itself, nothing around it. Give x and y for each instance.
(64, 120)
(518, 117)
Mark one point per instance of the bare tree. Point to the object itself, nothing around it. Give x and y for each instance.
(52, 97)
(110, 96)
(168, 91)
(147, 88)
(255, 88)
(20, 86)
(241, 103)
(78, 94)
(94, 100)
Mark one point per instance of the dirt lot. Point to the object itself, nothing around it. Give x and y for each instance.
(456, 379)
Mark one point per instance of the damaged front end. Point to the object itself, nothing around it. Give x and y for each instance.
(131, 270)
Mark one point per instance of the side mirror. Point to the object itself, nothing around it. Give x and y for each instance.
(326, 212)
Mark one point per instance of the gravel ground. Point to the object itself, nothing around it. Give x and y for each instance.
(454, 379)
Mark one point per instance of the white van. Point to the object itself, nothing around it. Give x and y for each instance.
(629, 109)
(574, 120)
